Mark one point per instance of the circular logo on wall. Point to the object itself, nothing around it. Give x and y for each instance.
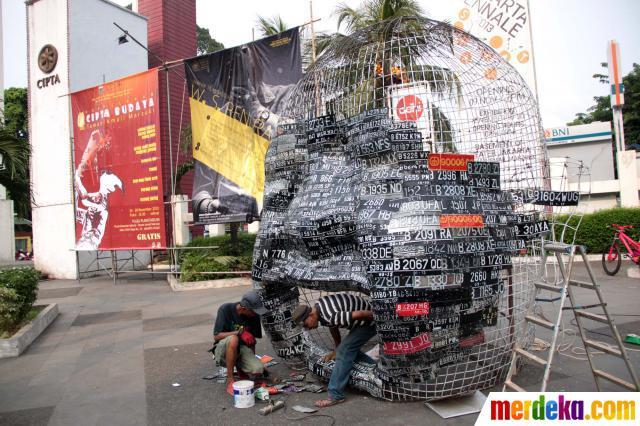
(47, 58)
(409, 108)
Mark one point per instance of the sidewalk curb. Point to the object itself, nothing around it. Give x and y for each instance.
(15, 345)
(177, 285)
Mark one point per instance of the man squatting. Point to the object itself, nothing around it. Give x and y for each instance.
(235, 331)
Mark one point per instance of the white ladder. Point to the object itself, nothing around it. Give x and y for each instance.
(566, 288)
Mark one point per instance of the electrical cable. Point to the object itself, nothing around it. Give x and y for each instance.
(307, 416)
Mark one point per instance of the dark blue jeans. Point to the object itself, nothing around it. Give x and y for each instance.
(346, 354)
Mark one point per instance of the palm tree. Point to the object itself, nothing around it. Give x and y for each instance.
(271, 26)
(14, 170)
(375, 11)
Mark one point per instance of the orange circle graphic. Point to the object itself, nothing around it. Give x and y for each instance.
(496, 42)
(523, 57)
(464, 14)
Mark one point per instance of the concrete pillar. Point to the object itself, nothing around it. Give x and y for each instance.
(181, 219)
(628, 178)
(254, 227)
(7, 236)
(216, 230)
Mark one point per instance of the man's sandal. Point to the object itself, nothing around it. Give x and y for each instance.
(324, 403)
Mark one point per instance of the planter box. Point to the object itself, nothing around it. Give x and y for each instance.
(20, 341)
(177, 285)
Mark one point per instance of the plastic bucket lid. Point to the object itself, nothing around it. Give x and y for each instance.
(243, 396)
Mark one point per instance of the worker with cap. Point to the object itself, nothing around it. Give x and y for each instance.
(340, 310)
(235, 331)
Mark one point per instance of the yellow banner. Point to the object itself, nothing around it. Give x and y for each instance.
(229, 147)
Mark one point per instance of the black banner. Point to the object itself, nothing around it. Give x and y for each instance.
(236, 96)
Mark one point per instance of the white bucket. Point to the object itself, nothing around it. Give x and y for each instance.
(243, 396)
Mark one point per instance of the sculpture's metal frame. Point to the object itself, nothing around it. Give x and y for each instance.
(353, 202)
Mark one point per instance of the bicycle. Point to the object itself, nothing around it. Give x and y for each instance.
(612, 259)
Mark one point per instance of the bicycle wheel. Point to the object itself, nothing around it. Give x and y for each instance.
(612, 260)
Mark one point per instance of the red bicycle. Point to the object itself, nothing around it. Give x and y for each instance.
(612, 259)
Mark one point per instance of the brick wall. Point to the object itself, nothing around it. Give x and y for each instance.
(171, 36)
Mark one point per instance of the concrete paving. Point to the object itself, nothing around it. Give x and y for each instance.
(114, 353)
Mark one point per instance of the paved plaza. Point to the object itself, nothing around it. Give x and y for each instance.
(114, 353)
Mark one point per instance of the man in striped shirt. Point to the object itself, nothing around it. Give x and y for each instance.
(340, 310)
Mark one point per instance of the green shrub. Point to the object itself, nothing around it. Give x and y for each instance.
(227, 256)
(18, 291)
(594, 231)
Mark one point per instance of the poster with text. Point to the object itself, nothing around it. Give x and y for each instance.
(502, 24)
(118, 175)
(236, 96)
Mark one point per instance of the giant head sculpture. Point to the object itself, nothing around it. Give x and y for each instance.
(404, 169)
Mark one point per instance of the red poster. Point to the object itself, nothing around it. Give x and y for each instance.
(118, 174)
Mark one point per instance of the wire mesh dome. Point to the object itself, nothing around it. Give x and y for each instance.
(403, 170)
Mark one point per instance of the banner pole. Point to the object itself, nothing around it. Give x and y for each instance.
(184, 91)
(313, 33)
(313, 59)
(173, 228)
(533, 55)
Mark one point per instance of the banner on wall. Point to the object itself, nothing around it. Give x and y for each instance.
(236, 96)
(503, 25)
(118, 172)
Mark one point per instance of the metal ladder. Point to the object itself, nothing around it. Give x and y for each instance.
(580, 313)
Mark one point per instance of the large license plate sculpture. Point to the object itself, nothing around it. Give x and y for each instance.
(411, 171)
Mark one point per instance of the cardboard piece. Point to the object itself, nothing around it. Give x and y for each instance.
(455, 407)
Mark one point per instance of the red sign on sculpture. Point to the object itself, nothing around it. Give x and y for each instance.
(118, 173)
(409, 108)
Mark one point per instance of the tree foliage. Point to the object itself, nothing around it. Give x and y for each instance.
(14, 147)
(206, 43)
(601, 111)
(16, 112)
(271, 26)
(374, 11)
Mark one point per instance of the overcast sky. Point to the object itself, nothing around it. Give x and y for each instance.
(569, 38)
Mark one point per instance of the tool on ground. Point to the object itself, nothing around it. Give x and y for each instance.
(563, 290)
(262, 394)
(273, 406)
(632, 338)
(315, 388)
(303, 409)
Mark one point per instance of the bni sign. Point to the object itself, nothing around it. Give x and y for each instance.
(615, 74)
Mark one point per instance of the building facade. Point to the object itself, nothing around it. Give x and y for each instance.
(72, 45)
(582, 158)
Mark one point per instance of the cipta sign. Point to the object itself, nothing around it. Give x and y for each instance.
(47, 61)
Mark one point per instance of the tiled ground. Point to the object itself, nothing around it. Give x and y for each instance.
(112, 355)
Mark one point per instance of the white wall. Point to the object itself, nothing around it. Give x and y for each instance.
(1, 69)
(96, 56)
(7, 241)
(596, 155)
